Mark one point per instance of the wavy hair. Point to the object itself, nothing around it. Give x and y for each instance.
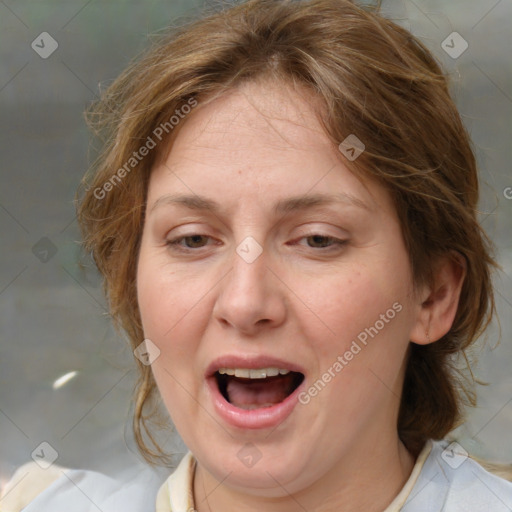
(373, 79)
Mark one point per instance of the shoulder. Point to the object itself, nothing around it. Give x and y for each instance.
(59, 489)
(27, 482)
(452, 481)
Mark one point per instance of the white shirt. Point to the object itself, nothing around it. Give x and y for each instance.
(441, 481)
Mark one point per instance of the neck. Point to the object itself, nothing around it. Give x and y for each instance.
(367, 479)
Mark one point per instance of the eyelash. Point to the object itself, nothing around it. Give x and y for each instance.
(173, 244)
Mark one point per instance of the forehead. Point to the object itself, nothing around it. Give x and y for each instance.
(261, 139)
(269, 114)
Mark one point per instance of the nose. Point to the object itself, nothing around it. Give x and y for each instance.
(251, 296)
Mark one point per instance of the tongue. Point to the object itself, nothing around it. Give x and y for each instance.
(255, 394)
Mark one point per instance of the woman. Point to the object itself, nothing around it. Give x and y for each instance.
(284, 215)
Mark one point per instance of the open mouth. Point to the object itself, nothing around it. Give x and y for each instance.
(256, 388)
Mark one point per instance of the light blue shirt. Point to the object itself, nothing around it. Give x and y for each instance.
(443, 480)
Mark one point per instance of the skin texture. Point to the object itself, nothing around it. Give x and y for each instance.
(298, 301)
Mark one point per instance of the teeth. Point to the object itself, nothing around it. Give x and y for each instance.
(253, 373)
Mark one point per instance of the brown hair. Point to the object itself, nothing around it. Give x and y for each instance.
(374, 80)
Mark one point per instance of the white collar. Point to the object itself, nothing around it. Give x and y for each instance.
(177, 492)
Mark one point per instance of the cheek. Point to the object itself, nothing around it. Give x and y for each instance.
(360, 338)
(166, 303)
(161, 294)
(170, 321)
(345, 304)
(363, 316)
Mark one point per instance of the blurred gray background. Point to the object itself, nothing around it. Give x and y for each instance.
(52, 313)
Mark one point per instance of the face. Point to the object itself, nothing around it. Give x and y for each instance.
(278, 290)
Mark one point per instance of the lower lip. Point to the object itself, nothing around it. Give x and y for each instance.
(266, 417)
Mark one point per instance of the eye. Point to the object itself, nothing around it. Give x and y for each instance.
(323, 241)
(198, 241)
(192, 241)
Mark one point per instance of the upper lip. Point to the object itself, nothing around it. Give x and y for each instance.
(246, 361)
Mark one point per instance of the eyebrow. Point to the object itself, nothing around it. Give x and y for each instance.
(304, 202)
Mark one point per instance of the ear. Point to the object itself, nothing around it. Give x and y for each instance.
(438, 303)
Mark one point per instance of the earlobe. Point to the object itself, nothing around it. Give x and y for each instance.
(440, 302)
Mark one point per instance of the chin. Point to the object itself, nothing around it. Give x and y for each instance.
(254, 465)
